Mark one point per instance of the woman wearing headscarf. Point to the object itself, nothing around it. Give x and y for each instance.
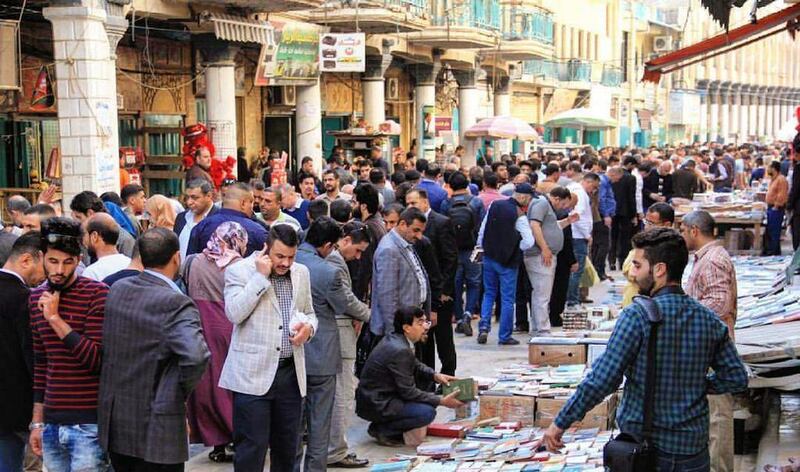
(160, 212)
(210, 408)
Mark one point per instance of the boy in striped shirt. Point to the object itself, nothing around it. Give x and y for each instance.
(67, 327)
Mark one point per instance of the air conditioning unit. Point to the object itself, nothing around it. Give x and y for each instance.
(288, 95)
(662, 43)
(392, 88)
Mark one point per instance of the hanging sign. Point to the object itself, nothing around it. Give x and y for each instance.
(342, 52)
(295, 59)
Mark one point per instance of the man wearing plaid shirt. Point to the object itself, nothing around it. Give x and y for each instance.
(691, 340)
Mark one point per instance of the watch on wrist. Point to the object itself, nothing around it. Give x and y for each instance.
(33, 426)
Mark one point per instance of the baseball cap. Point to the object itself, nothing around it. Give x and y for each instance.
(525, 189)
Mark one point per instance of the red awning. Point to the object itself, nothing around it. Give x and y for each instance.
(786, 19)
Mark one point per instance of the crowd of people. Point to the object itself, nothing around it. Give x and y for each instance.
(259, 317)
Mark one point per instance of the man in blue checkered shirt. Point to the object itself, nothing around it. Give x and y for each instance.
(695, 357)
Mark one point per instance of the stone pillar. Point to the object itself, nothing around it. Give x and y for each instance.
(753, 111)
(468, 103)
(220, 93)
(308, 123)
(769, 130)
(425, 107)
(373, 89)
(763, 99)
(776, 110)
(87, 99)
(502, 107)
(786, 105)
(725, 112)
(738, 113)
(714, 112)
(702, 88)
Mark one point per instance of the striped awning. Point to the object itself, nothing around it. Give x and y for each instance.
(240, 29)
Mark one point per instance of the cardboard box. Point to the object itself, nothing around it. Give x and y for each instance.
(508, 408)
(601, 416)
(556, 354)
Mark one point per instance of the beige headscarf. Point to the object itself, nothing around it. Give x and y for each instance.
(162, 214)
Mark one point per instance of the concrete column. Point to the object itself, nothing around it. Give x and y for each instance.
(468, 103)
(308, 123)
(786, 105)
(425, 107)
(502, 107)
(777, 109)
(702, 131)
(769, 116)
(725, 113)
(738, 113)
(753, 111)
(220, 93)
(714, 112)
(763, 99)
(373, 87)
(87, 99)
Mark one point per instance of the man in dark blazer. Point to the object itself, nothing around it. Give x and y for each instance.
(199, 206)
(153, 356)
(387, 394)
(625, 219)
(441, 233)
(323, 351)
(22, 270)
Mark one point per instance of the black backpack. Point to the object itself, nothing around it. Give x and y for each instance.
(463, 218)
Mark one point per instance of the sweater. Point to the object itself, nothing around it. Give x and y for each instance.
(66, 372)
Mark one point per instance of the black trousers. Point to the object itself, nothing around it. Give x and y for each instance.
(523, 298)
(122, 463)
(440, 337)
(601, 240)
(621, 234)
(270, 421)
(796, 229)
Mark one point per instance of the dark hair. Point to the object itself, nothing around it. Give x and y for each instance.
(376, 176)
(458, 181)
(157, 246)
(405, 316)
(664, 245)
(423, 194)
(42, 209)
(398, 177)
(112, 197)
(62, 234)
(630, 160)
(132, 190)
(306, 159)
(322, 231)
(367, 194)
(575, 167)
(332, 172)
(410, 215)
(775, 165)
(357, 232)
(286, 234)
(108, 230)
(664, 211)
(85, 201)
(28, 243)
(433, 170)
(341, 210)
(393, 208)
(551, 169)
(317, 208)
(591, 176)
(560, 192)
(513, 171)
(421, 165)
(490, 179)
(203, 184)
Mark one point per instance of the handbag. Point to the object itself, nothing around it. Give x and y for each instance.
(626, 452)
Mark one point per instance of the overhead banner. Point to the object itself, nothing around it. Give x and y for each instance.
(295, 58)
(342, 52)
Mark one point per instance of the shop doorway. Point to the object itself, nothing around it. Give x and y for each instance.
(279, 135)
(331, 123)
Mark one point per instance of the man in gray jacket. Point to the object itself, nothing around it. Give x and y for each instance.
(324, 360)
(355, 240)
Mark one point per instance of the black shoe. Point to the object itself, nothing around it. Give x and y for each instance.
(459, 328)
(351, 461)
(587, 300)
(466, 325)
(508, 342)
(521, 329)
(482, 337)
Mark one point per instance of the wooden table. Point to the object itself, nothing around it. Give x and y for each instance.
(755, 223)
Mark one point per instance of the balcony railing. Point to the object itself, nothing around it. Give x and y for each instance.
(640, 10)
(612, 76)
(529, 24)
(578, 71)
(415, 7)
(484, 14)
(541, 68)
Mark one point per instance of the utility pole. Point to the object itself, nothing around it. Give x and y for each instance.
(631, 69)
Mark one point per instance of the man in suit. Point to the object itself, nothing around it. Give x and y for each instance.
(153, 356)
(324, 361)
(387, 394)
(351, 246)
(200, 205)
(625, 219)
(268, 299)
(23, 269)
(368, 210)
(440, 231)
(399, 278)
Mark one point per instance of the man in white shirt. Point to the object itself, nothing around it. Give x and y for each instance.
(632, 164)
(200, 201)
(100, 233)
(271, 213)
(581, 230)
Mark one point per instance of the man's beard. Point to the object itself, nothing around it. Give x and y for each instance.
(59, 286)
(646, 286)
(92, 252)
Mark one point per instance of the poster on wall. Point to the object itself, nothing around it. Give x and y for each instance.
(428, 131)
(443, 124)
(342, 52)
(295, 58)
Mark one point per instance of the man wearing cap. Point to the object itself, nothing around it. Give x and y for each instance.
(504, 235)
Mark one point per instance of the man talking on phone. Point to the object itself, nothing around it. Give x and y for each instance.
(268, 300)
(67, 327)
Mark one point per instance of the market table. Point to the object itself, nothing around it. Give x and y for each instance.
(755, 222)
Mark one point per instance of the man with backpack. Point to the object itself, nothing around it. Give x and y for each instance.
(466, 213)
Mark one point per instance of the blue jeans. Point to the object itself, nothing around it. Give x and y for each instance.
(12, 451)
(774, 223)
(73, 447)
(495, 277)
(580, 247)
(413, 415)
(467, 273)
(699, 462)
